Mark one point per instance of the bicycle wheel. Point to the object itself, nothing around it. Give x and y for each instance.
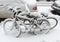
(43, 25)
(11, 27)
(53, 22)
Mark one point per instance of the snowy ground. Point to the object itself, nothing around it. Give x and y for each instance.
(52, 36)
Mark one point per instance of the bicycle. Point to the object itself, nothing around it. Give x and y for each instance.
(36, 24)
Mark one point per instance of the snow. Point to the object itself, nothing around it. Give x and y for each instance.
(52, 36)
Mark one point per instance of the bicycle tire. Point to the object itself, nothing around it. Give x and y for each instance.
(55, 20)
(47, 24)
(7, 20)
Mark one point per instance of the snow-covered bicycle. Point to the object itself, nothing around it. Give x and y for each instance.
(19, 24)
(23, 22)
